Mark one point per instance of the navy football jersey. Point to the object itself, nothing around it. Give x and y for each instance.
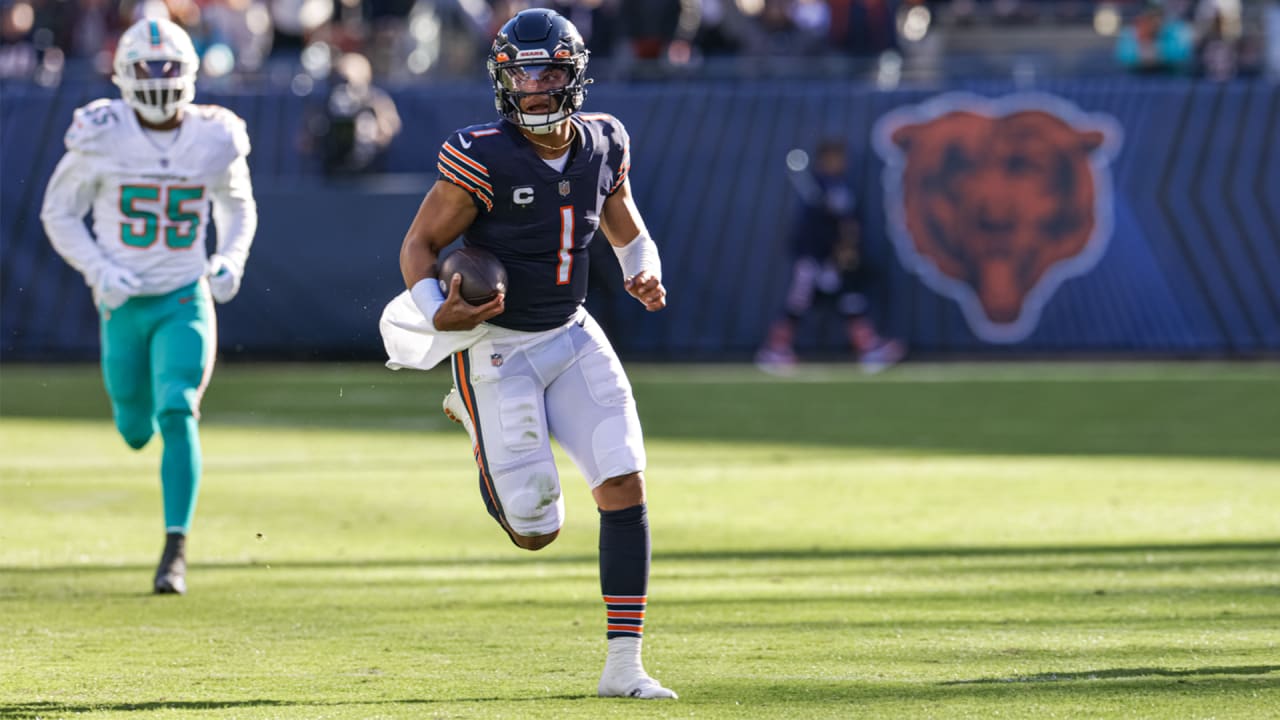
(536, 220)
(817, 225)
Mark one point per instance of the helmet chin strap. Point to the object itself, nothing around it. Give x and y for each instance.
(543, 129)
(542, 123)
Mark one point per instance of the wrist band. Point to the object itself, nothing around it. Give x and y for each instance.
(427, 296)
(639, 255)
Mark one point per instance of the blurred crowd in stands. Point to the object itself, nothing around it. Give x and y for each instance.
(299, 42)
(1207, 37)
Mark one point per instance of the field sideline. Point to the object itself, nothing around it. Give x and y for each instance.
(939, 541)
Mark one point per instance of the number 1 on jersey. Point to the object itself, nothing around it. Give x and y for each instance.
(565, 269)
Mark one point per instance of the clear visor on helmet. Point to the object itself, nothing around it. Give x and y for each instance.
(535, 78)
(151, 69)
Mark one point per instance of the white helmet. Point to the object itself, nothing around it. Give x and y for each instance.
(155, 68)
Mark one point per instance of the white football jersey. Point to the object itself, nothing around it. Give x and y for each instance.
(151, 201)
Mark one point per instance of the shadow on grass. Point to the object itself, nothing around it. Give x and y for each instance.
(57, 709)
(1176, 553)
(796, 693)
(1114, 673)
(1204, 416)
(1127, 681)
(1099, 693)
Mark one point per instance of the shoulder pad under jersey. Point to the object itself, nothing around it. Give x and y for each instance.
(222, 127)
(94, 126)
(611, 125)
(619, 144)
(463, 161)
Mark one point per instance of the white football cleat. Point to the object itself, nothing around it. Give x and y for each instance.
(883, 356)
(776, 362)
(624, 675)
(456, 411)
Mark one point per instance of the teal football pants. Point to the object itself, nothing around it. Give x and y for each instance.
(157, 355)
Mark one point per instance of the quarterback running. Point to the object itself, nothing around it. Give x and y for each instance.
(533, 188)
(155, 170)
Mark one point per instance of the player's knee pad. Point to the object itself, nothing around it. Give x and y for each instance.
(618, 447)
(530, 497)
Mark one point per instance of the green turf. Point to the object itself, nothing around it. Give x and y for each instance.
(937, 541)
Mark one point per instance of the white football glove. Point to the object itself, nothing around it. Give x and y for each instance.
(224, 278)
(114, 285)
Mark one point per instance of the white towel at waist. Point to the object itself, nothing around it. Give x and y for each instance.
(412, 342)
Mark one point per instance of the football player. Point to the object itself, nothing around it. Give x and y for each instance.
(533, 188)
(827, 264)
(154, 169)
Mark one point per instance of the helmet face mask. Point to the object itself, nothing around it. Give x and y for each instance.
(538, 54)
(155, 68)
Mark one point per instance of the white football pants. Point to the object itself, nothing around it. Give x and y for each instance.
(523, 388)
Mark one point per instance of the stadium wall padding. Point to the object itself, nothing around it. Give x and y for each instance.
(1188, 269)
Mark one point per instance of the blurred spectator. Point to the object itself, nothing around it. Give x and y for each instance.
(357, 124)
(597, 20)
(241, 29)
(1156, 42)
(1217, 37)
(292, 22)
(790, 28)
(1225, 46)
(96, 24)
(661, 29)
(723, 29)
(411, 40)
(864, 28)
(651, 26)
(437, 38)
(18, 55)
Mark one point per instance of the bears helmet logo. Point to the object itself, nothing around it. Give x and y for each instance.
(995, 203)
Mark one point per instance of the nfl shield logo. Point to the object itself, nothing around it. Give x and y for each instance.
(495, 360)
(564, 188)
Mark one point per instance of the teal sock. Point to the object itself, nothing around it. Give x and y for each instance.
(179, 470)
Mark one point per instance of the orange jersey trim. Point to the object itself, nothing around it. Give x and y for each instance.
(463, 184)
(463, 172)
(482, 169)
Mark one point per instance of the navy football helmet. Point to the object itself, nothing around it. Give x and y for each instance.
(538, 52)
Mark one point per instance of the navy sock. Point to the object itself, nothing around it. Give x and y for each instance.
(624, 569)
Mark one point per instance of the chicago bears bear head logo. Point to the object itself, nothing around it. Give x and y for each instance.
(994, 203)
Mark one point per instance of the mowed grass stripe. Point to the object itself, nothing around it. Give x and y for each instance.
(345, 568)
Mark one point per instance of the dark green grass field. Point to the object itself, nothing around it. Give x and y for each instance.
(1030, 541)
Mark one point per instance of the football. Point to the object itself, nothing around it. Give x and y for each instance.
(483, 275)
